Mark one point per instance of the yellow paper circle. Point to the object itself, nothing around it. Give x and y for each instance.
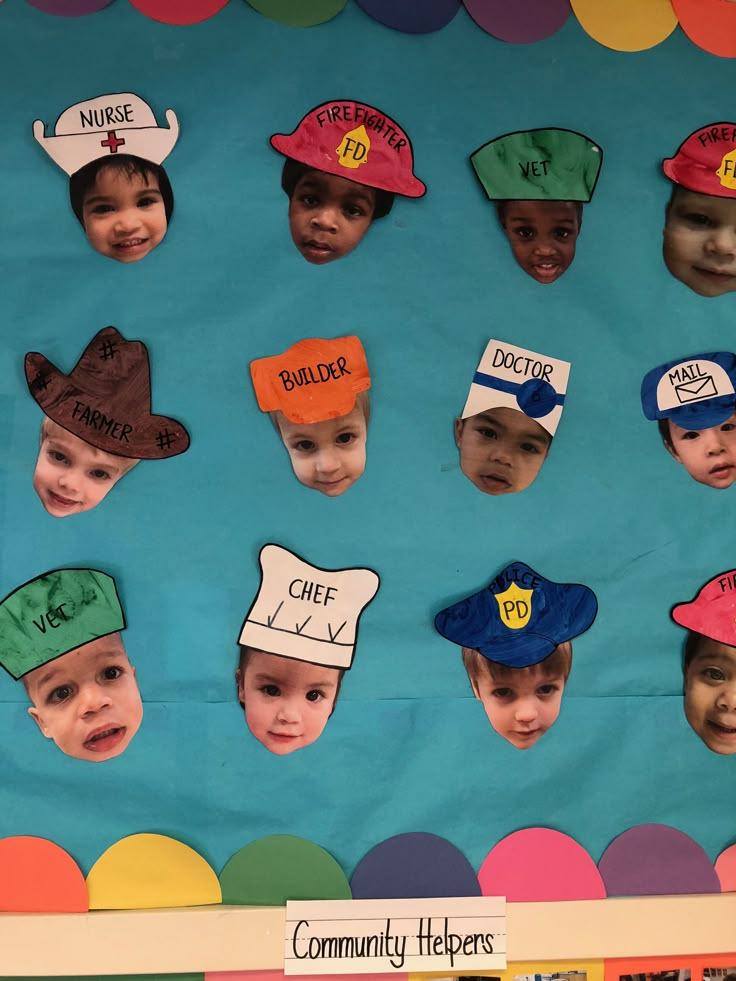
(151, 872)
(626, 25)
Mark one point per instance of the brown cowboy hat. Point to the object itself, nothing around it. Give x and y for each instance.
(106, 400)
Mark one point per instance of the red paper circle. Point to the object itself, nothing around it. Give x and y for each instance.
(179, 12)
(711, 24)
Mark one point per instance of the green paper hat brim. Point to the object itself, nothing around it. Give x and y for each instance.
(539, 165)
(54, 614)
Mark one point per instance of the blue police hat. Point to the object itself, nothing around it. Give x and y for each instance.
(520, 618)
(695, 393)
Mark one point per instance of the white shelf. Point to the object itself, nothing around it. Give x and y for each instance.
(231, 938)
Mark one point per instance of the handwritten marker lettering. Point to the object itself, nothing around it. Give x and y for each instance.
(718, 134)
(383, 944)
(358, 114)
(302, 589)
(521, 365)
(313, 375)
(50, 618)
(107, 117)
(727, 582)
(534, 166)
(686, 372)
(99, 421)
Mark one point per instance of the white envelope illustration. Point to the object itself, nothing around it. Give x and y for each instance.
(696, 390)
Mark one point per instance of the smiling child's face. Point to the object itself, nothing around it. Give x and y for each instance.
(329, 215)
(287, 703)
(71, 476)
(700, 241)
(708, 455)
(710, 695)
(543, 235)
(522, 704)
(327, 456)
(87, 701)
(124, 215)
(501, 450)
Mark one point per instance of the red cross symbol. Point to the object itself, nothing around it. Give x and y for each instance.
(113, 142)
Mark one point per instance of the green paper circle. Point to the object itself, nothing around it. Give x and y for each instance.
(271, 870)
(299, 13)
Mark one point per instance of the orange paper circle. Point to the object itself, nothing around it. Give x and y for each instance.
(711, 24)
(179, 11)
(626, 25)
(36, 876)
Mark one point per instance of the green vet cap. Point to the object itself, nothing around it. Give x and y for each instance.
(54, 614)
(538, 165)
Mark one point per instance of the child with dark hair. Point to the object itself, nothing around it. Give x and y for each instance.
(287, 702)
(124, 204)
(709, 662)
(344, 164)
(693, 401)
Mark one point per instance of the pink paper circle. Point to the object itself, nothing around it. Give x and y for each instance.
(538, 865)
(520, 21)
(726, 869)
(69, 8)
(410, 16)
(179, 12)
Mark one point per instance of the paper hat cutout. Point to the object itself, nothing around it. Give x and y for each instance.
(520, 617)
(706, 161)
(513, 377)
(307, 613)
(355, 141)
(149, 871)
(314, 380)
(106, 400)
(695, 393)
(108, 124)
(54, 614)
(713, 611)
(538, 165)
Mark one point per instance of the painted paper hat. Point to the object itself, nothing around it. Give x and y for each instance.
(520, 618)
(314, 380)
(706, 161)
(355, 141)
(713, 611)
(106, 125)
(695, 393)
(307, 613)
(106, 399)
(538, 165)
(515, 378)
(54, 614)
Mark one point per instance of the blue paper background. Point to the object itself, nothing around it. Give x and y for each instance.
(408, 748)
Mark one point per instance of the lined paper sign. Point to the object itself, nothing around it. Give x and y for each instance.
(381, 936)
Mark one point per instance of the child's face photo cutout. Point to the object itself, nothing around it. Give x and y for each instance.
(122, 208)
(87, 701)
(327, 456)
(287, 702)
(71, 476)
(501, 450)
(521, 703)
(708, 455)
(542, 234)
(700, 241)
(329, 215)
(710, 693)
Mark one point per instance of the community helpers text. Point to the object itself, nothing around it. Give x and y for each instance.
(361, 936)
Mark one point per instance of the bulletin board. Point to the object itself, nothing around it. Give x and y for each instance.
(408, 747)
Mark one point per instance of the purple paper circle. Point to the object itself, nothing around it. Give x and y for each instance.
(409, 15)
(656, 860)
(520, 22)
(416, 865)
(69, 8)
